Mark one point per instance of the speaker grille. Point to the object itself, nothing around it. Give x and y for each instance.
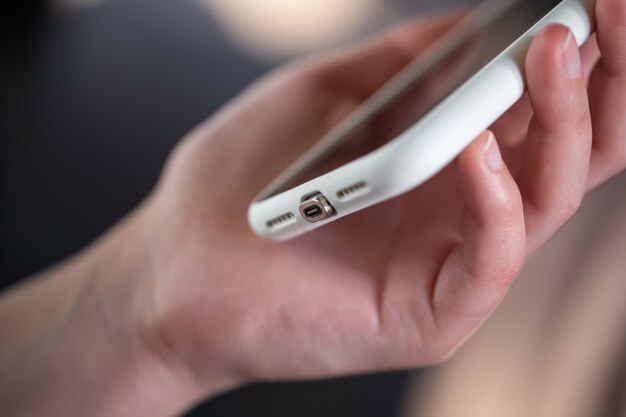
(283, 220)
(352, 190)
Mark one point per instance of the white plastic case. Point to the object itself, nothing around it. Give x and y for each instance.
(427, 147)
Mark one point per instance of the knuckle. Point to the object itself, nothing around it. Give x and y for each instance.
(556, 211)
(568, 209)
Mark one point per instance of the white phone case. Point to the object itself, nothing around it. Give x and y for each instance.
(427, 147)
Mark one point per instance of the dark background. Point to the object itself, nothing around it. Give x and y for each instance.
(91, 103)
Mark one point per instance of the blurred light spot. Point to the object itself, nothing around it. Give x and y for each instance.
(287, 27)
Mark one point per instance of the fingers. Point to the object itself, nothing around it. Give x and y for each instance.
(553, 179)
(607, 93)
(363, 68)
(512, 128)
(477, 273)
(506, 222)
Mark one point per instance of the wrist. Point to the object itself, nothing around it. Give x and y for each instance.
(88, 341)
(129, 267)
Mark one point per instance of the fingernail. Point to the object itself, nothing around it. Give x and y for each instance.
(571, 57)
(492, 155)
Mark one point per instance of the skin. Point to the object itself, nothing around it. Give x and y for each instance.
(181, 301)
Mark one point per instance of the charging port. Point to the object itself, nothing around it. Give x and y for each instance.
(315, 207)
(312, 212)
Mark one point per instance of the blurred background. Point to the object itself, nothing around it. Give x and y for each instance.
(94, 95)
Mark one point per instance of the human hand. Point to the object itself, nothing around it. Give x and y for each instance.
(181, 300)
(384, 288)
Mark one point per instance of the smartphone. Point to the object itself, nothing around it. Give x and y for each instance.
(460, 86)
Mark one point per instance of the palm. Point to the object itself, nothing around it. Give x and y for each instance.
(356, 273)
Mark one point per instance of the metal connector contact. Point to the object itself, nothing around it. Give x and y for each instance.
(315, 208)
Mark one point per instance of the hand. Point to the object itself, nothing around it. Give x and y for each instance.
(401, 284)
(181, 299)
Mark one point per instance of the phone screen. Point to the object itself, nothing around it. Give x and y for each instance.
(474, 42)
